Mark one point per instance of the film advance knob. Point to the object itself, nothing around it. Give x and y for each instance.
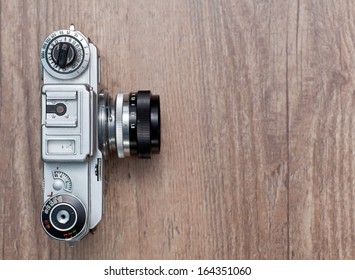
(63, 54)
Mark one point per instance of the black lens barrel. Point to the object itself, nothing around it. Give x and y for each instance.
(144, 122)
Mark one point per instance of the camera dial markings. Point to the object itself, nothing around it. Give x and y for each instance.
(65, 54)
(62, 181)
(63, 216)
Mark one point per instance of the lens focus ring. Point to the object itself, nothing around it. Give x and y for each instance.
(143, 124)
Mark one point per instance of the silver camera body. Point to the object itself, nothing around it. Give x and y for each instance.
(80, 126)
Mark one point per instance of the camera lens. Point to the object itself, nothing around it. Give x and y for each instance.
(143, 112)
(130, 126)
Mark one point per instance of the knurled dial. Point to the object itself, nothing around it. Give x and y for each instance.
(65, 54)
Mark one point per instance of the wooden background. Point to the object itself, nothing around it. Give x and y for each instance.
(257, 105)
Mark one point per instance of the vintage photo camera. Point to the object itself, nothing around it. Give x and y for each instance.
(81, 125)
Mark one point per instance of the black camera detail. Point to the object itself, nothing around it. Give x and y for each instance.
(59, 109)
(63, 54)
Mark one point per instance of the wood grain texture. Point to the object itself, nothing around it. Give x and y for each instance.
(257, 117)
(321, 113)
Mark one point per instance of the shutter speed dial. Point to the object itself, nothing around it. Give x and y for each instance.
(65, 54)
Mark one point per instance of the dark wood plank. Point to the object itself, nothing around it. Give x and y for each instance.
(20, 162)
(321, 102)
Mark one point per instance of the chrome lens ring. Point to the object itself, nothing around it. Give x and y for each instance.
(119, 125)
(125, 126)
